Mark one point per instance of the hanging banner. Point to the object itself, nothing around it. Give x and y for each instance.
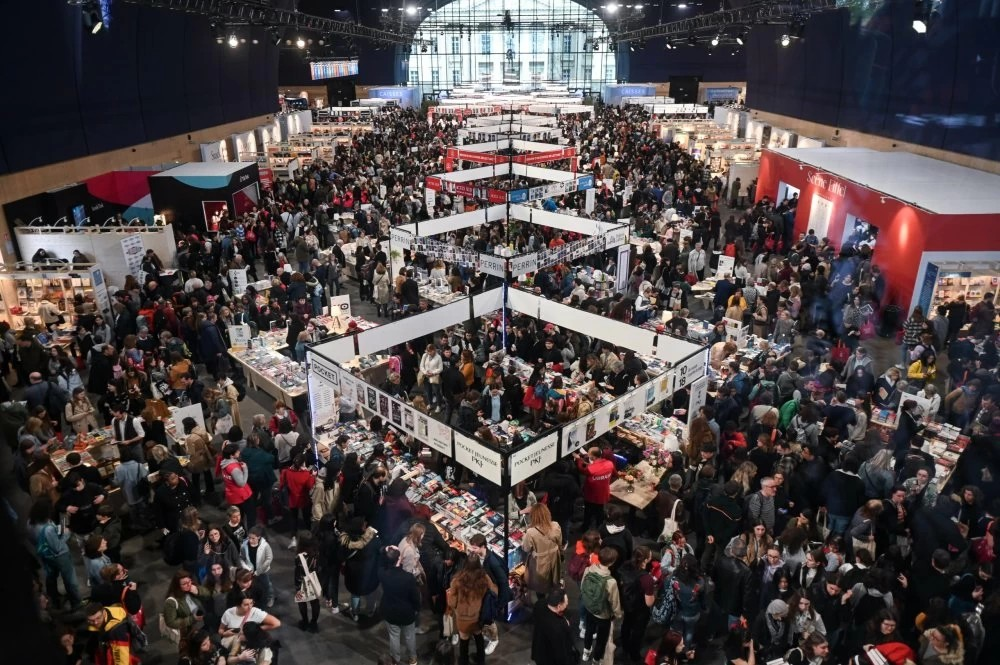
(492, 264)
(435, 434)
(430, 197)
(590, 197)
(622, 266)
(325, 370)
(239, 335)
(523, 264)
(238, 281)
(478, 458)
(690, 371)
(134, 250)
(322, 396)
(616, 237)
(699, 393)
(536, 457)
(399, 238)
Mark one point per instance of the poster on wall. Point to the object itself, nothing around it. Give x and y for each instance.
(574, 437)
(101, 297)
(664, 386)
(322, 399)
(534, 458)
(189, 411)
(134, 250)
(726, 266)
(819, 215)
(699, 394)
(478, 458)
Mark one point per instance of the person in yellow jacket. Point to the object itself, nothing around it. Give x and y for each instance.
(922, 371)
(113, 643)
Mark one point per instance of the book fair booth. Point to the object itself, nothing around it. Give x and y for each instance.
(940, 218)
(201, 194)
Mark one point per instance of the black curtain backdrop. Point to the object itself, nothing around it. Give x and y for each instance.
(870, 71)
(153, 74)
(655, 64)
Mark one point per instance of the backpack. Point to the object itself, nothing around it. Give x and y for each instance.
(541, 389)
(631, 587)
(594, 593)
(666, 603)
(138, 642)
(42, 547)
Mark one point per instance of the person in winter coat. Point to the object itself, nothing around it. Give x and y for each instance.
(218, 548)
(543, 542)
(80, 413)
(326, 493)
(735, 593)
(197, 444)
(842, 493)
(298, 481)
(465, 601)
(562, 490)
(235, 478)
(552, 639)
(256, 556)
(359, 547)
(260, 472)
(183, 608)
(382, 290)
(400, 606)
(723, 517)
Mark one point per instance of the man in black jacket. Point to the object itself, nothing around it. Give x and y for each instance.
(410, 292)
(734, 590)
(552, 640)
(400, 605)
(723, 516)
(563, 490)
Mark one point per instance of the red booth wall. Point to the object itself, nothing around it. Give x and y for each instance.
(904, 232)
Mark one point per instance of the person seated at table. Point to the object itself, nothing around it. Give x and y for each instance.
(495, 405)
(678, 325)
(718, 333)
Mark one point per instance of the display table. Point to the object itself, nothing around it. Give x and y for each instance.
(643, 490)
(439, 295)
(277, 375)
(275, 340)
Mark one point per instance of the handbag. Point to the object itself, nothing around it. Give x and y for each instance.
(309, 588)
(858, 544)
(447, 625)
(172, 634)
(840, 353)
(420, 378)
(823, 524)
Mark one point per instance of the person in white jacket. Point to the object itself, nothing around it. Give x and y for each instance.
(696, 261)
(256, 556)
(430, 367)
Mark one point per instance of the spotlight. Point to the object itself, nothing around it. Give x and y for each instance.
(785, 40)
(682, 6)
(921, 17)
(740, 38)
(301, 43)
(255, 41)
(631, 47)
(611, 8)
(92, 18)
(668, 45)
(637, 7)
(411, 10)
(233, 41)
(715, 40)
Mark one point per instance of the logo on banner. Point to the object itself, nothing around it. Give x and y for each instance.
(493, 265)
(518, 196)
(324, 371)
(536, 457)
(616, 237)
(584, 182)
(479, 459)
(496, 196)
(433, 183)
(829, 184)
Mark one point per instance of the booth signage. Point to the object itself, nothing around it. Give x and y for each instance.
(589, 200)
(930, 283)
(726, 265)
(435, 434)
(101, 297)
(399, 239)
(615, 237)
(324, 370)
(432, 182)
(518, 196)
(584, 182)
(478, 458)
(340, 307)
(690, 371)
(430, 197)
(699, 393)
(523, 264)
(493, 265)
(536, 457)
(239, 335)
(496, 196)
(134, 250)
(238, 280)
(829, 184)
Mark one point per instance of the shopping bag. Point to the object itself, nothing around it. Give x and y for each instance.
(447, 625)
(309, 588)
(822, 523)
(840, 353)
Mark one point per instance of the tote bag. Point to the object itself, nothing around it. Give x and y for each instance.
(309, 588)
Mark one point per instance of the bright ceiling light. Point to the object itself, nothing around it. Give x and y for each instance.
(233, 41)
(785, 40)
(739, 39)
(920, 26)
(611, 9)
(301, 43)
(682, 6)
(411, 10)
(715, 40)
(638, 7)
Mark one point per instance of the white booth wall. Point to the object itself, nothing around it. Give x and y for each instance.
(101, 247)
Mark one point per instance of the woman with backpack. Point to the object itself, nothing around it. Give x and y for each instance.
(601, 603)
(584, 556)
(466, 597)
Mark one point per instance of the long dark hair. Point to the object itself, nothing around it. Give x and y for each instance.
(471, 581)
(667, 651)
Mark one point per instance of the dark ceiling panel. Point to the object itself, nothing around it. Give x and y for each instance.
(161, 79)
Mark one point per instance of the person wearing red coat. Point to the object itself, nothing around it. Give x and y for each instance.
(597, 474)
(299, 482)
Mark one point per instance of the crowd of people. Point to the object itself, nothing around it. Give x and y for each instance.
(784, 527)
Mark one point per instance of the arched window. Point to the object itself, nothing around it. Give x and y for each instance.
(489, 42)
